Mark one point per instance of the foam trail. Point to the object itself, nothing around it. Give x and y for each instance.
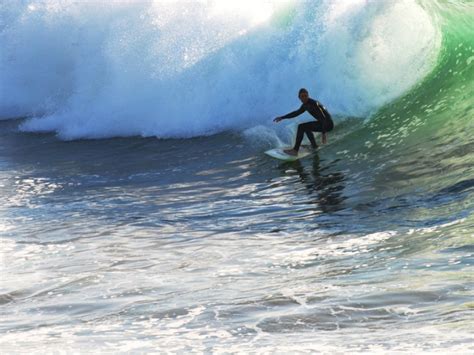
(263, 136)
(181, 69)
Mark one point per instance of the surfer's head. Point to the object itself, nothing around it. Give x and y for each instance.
(303, 95)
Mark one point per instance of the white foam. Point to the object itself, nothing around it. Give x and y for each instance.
(182, 69)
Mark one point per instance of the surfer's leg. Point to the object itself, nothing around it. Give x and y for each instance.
(309, 128)
(310, 136)
(318, 127)
(302, 129)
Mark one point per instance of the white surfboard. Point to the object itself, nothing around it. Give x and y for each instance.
(278, 153)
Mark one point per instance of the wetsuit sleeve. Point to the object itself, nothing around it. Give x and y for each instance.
(294, 113)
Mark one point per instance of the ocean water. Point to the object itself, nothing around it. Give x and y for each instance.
(138, 212)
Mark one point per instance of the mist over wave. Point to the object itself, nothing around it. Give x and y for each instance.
(184, 69)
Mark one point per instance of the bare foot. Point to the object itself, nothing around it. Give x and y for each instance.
(291, 152)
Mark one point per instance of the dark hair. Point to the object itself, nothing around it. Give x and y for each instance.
(302, 91)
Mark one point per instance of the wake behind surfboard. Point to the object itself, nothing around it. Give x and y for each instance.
(278, 153)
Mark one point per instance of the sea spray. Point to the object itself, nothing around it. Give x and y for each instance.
(180, 69)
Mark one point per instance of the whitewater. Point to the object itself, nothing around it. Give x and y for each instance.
(184, 69)
(138, 212)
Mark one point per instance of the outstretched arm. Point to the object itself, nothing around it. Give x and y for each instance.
(291, 114)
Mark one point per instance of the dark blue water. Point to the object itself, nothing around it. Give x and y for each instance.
(135, 244)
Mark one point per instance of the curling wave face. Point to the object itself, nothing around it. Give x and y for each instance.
(180, 69)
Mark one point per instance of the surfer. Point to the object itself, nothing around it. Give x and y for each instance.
(323, 122)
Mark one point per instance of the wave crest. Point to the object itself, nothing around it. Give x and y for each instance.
(93, 70)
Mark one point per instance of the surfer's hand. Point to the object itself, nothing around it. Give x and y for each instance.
(278, 119)
(324, 138)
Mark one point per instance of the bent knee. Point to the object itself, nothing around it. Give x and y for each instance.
(304, 126)
(301, 127)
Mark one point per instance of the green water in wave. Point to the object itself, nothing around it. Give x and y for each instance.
(443, 103)
(425, 137)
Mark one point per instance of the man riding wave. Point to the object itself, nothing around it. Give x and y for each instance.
(323, 122)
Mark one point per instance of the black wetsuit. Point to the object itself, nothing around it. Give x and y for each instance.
(323, 122)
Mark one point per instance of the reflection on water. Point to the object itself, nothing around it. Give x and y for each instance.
(325, 189)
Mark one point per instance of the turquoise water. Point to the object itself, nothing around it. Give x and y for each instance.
(180, 235)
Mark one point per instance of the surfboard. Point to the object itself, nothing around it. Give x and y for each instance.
(278, 153)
